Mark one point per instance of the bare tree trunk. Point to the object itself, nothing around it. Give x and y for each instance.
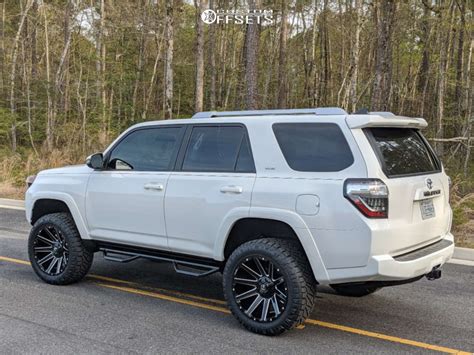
(269, 68)
(385, 18)
(325, 72)
(425, 61)
(104, 135)
(212, 60)
(2, 49)
(13, 73)
(282, 99)
(199, 82)
(442, 67)
(355, 57)
(168, 102)
(141, 61)
(26, 79)
(469, 102)
(459, 60)
(252, 35)
(50, 116)
(60, 94)
(159, 45)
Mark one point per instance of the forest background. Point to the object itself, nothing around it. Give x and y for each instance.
(75, 73)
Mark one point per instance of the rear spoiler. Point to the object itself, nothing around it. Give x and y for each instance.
(384, 119)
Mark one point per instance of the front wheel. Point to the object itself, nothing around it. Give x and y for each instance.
(269, 286)
(57, 254)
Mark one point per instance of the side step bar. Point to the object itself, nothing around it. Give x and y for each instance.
(182, 264)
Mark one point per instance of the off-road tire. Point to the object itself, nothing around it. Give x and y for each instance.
(80, 258)
(290, 258)
(354, 290)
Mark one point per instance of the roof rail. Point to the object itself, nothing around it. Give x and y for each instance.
(298, 111)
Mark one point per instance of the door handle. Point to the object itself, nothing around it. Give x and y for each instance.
(153, 186)
(232, 189)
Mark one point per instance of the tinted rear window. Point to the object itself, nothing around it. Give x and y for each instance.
(403, 151)
(218, 148)
(316, 147)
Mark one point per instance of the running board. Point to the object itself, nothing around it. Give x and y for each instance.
(181, 264)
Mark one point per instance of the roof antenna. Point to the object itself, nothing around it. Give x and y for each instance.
(362, 111)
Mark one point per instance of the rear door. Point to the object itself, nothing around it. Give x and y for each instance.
(419, 211)
(214, 178)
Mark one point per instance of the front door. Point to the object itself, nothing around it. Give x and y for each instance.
(214, 178)
(124, 202)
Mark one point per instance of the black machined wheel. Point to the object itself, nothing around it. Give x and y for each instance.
(269, 285)
(51, 250)
(260, 289)
(57, 253)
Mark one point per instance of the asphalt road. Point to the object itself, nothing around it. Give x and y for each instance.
(144, 307)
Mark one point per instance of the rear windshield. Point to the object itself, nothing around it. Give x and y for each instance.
(403, 151)
(315, 147)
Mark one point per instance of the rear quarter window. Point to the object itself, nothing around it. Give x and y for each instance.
(315, 147)
(402, 151)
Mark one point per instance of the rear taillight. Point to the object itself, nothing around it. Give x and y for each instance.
(370, 196)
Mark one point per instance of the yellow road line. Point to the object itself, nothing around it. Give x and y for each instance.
(166, 297)
(111, 279)
(173, 292)
(16, 261)
(319, 323)
(386, 337)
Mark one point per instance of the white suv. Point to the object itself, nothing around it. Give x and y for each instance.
(279, 201)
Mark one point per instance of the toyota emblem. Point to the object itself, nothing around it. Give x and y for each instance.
(429, 184)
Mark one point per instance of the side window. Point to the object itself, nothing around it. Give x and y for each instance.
(218, 148)
(316, 147)
(245, 161)
(152, 149)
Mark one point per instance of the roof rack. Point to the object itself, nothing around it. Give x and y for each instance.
(299, 111)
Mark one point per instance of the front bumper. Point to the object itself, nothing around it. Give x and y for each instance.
(401, 267)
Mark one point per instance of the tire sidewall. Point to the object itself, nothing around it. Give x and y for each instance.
(293, 287)
(51, 220)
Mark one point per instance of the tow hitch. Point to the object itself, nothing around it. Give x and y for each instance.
(434, 274)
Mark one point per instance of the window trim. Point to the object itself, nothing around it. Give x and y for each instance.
(143, 128)
(312, 123)
(373, 143)
(187, 139)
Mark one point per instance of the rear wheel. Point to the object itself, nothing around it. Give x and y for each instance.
(57, 253)
(269, 286)
(354, 290)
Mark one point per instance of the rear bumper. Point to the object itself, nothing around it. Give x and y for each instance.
(401, 267)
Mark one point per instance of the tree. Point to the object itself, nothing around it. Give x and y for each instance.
(252, 35)
(13, 73)
(200, 5)
(168, 102)
(282, 69)
(385, 12)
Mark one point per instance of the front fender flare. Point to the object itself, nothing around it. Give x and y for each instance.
(63, 197)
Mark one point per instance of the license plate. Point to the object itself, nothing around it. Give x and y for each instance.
(427, 209)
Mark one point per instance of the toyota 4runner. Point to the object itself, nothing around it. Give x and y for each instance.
(279, 201)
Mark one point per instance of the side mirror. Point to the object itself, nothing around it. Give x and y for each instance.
(95, 161)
